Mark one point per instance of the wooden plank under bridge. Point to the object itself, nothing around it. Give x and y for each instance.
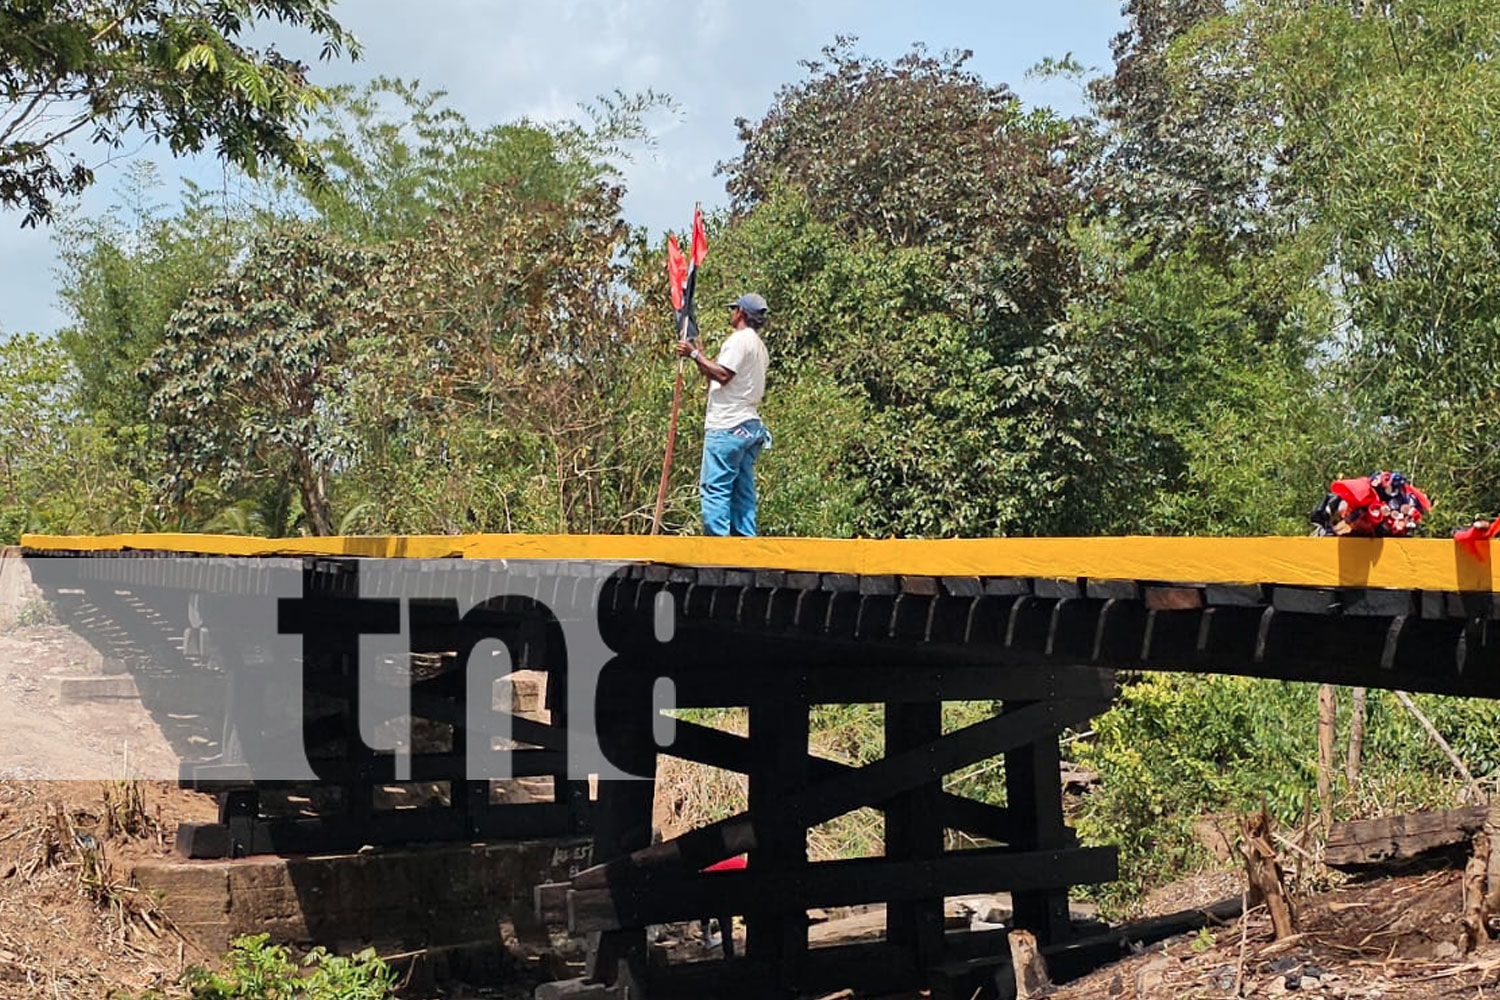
(1036, 627)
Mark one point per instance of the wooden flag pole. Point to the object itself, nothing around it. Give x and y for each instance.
(698, 251)
(666, 462)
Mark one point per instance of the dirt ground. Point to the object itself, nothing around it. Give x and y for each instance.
(1388, 937)
(44, 737)
(71, 925)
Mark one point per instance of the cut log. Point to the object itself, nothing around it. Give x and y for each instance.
(1370, 843)
(1029, 965)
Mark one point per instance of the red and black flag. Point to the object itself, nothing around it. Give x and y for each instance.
(683, 274)
(677, 271)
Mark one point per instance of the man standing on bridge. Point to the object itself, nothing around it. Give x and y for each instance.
(733, 433)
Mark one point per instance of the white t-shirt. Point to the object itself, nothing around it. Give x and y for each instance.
(731, 404)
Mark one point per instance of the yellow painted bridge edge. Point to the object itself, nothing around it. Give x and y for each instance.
(1416, 564)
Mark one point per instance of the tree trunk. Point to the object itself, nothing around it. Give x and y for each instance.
(1356, 738)
(1491, 833)
(315, 498)
(1475, 872)
(1030, 967)
(1327, 720)
(1263, 871)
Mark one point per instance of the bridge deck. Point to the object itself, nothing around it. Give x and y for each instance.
(1405, 564)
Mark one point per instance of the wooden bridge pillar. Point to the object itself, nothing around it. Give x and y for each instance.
(622, 825)
(1033, 792)
(914, 830)
(778, 770)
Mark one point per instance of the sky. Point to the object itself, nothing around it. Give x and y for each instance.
(500, 60)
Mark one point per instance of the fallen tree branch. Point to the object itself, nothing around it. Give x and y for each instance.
(1437, 737)
(1239, 970)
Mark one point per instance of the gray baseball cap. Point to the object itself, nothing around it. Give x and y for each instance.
(751, 304)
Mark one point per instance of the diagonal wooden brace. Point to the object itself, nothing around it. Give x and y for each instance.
(834, 796)
(716, 748)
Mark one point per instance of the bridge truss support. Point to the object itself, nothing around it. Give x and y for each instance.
(1022, 847)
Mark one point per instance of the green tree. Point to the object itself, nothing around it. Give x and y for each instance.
(1388, 137)
(57, 472)
(504, 401)
(1373, 140)
(909, 222)
(174, 70)
(32, 396)
(1207, 364)
(124, 274)
(396, 155)
(1202, 307)
(251, 381)
(460, 354)
(922, 152)
(892, 395)
(1181, 156)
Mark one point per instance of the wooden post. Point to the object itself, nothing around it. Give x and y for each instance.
(623, 820)
(666, 462)
(778, 769)
(1356, 737)
(914, 830)
(1033, 789)
(1327, 716)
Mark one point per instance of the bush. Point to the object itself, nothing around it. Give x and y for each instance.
(1174, 748)
(1179, 747)
(254, 969)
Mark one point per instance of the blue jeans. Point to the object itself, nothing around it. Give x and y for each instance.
(728, 478)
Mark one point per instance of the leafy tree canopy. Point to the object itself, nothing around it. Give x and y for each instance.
(1383, 135)
(251, 379)
(506, 394)
(124, 274)
(397, 154)
(1180, 158)
(173, 70)
(922, 152)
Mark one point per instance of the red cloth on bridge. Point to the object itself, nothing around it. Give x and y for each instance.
(1355, 492)
(1472, 537)
(728, 865)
